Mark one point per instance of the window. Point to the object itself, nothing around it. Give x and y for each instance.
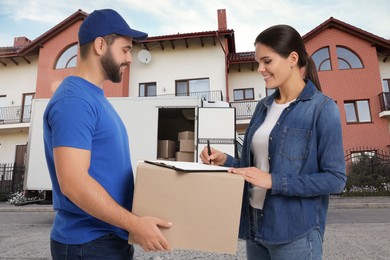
(357, 156)
(244, 94)
(193, 87)
(347, 59)
(147, 89)
(357, 111)
(386, 85)
(27, 106)
(68, 58)
(2, 105)
(321, 59)
(2, 100)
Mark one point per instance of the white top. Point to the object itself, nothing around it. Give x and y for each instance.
(260, 150)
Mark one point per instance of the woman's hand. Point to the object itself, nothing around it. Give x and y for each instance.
(216, 157)
(254, 176)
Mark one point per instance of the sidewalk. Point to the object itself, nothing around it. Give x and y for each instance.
(335, 203)
(359, 202)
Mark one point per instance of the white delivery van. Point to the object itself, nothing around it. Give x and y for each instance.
(148, 120)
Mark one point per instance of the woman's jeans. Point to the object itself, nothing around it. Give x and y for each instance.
(307, 248)
(107, 247)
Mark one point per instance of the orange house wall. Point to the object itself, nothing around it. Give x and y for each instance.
(49, 78)
(354, 84)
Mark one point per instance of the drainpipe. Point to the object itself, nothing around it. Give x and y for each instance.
(226, 67)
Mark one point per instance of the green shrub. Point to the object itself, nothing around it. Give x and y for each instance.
(368, 175)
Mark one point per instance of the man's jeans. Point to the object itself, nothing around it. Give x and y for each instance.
(107, 247)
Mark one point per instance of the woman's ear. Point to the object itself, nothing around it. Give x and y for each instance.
(293, 58)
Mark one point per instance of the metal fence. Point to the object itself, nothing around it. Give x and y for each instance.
(11, 178)
(244, 109)
(384, 101)
(368, 170)
(15, 114)
(214, 95)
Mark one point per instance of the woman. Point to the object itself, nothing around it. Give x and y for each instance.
(292, 157)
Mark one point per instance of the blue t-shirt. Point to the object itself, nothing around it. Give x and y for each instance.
(79, 115)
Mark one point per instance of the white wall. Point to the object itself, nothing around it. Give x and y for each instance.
(8, 142)
(18, 79)
(384, 68)
(14, 81)
(246, 79)
(169, 65)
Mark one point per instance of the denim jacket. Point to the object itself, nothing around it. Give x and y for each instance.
(306, 159)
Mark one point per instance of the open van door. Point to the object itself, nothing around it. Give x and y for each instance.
(218, 125)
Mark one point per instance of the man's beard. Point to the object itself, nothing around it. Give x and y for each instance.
(111, 68)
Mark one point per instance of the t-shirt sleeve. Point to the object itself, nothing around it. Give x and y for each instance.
(72, 121)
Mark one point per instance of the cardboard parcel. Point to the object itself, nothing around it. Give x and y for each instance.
(203, 205)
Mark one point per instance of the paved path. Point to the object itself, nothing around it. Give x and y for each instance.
(342, 240)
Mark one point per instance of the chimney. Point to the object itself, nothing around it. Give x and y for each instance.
(21, 41)
(222, 24)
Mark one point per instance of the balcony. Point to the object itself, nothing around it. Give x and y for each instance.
(15, 115)
(215, 95)
(384, 102)
(244, 109)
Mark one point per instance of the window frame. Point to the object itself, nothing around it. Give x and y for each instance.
(146, 89)
(349, 62)
(61, 58)
(322, 62)
(244, 94)
(388, 85)
(356, 111)
(188, 89)
(27, 106)
(356, 156)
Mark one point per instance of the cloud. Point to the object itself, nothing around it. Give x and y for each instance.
(247, 17)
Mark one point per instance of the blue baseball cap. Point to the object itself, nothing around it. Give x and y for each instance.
(104, 22)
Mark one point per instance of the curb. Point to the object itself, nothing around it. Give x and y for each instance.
(333, 204)
(26, 209)
(360, 205)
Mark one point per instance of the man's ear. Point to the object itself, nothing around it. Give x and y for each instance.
(99, 45)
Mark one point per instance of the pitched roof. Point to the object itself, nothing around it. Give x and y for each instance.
(32, 47)
(241, 57)
(382, 45)
(228, 34)
(37, 43)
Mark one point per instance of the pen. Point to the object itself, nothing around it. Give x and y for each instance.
(208, 149)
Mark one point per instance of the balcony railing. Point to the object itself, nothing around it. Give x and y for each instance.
(384, 101)
(15, 114)
(244, 109)
(215, 95)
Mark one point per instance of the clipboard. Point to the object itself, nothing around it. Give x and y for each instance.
(188, 166)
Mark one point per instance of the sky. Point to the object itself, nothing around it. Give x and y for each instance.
(32, 18)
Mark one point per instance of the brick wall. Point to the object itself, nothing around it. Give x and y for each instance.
(48, 78)
(354, 84)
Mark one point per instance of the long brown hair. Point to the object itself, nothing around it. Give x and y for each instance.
(284, 39)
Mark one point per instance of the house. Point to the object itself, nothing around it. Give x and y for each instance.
(353, 67)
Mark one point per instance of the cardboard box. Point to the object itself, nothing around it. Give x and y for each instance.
(185, 156)
(204, 207)
(186, 145)
(166, 149)
(185, 135)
